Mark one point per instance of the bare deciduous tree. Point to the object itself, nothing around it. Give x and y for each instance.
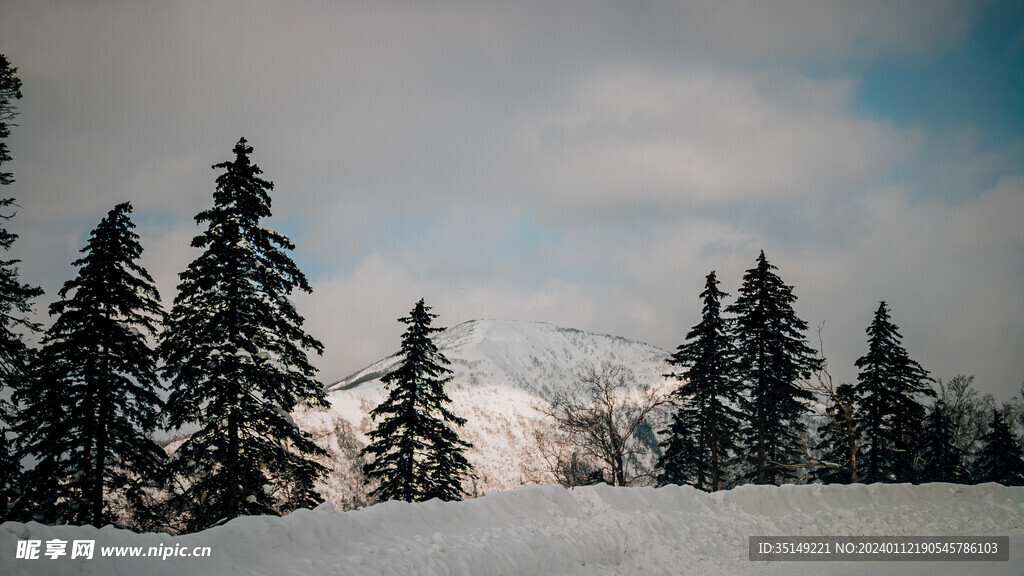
(560, 461)
(840, 413)
(969, 411)
(598, 417)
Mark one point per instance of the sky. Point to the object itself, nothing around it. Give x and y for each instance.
(579, 163)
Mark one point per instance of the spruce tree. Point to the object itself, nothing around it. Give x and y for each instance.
(839, 441)
(888, 391)
(10, 90)
(773, 358)
(235, 355)
(706, 424)
(15, 305)
(1001, 458)
(942, 460)
(684, 458)
(89, 414)
(417, 455)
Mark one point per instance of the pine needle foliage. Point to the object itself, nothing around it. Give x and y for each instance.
(773, 359)
(705, 426)
(416, 452)
(942, 460)
(93, 404)
(1001, 457)
(15, 306)
(235, 354)
(889, 393)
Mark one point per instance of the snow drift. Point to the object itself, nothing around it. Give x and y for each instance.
(550, 530)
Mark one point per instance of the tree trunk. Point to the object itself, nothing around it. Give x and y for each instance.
(100, 471)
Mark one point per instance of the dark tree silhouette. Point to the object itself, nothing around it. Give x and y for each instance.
(235, 354)
(15, 304)
(93, 405)
(942, 460)
(706, 424)
(1001, 458)
(773, 359)
(888, 391)
(416, 453)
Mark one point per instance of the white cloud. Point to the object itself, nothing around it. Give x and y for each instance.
(647, 143)
(699, 137)
(951, 273)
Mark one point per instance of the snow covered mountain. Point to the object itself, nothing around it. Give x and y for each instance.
(502, 371)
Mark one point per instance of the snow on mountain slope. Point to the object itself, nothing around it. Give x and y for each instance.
(502, 370)
(534, 356)
(592, 530)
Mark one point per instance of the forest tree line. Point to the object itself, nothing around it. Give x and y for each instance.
(228, 366)
(744, 411)
(755, 403)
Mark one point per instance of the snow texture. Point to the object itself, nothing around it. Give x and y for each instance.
(551, 530)
(502, 370)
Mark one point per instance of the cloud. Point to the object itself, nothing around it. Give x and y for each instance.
(702, 137)
(951, 273)
(580, 163)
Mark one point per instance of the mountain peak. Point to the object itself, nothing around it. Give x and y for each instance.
(531, 355)
(502, 372)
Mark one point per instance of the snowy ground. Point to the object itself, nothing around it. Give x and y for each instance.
(550, 530)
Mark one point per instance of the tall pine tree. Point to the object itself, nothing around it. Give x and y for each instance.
(235, 354)
(773, 357)
(889, 389)
(684, 454)
(89, 415)
(1001, 458)
(15, 304)
(417, 455)
(705, 427)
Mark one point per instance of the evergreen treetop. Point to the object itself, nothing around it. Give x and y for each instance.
(705, 427)
(888, 391)
(235, 354)
(10, 90)
(773, 358)
(1001, 457)
(417, 455)
(93, 405)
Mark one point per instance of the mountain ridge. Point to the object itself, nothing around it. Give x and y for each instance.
(502, 372)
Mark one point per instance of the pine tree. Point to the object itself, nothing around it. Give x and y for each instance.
(684, 457)
(890, 384)
(838, 437)
(92, 408)
(10, 90)
(235, 355)
(417, 455)
(942, 460)
(1001, 458)
(15, 305)
(706, 425)
(773, 357)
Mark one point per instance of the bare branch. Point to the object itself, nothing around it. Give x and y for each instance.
(598, 417)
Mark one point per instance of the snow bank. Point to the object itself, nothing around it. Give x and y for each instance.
(550, 530)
